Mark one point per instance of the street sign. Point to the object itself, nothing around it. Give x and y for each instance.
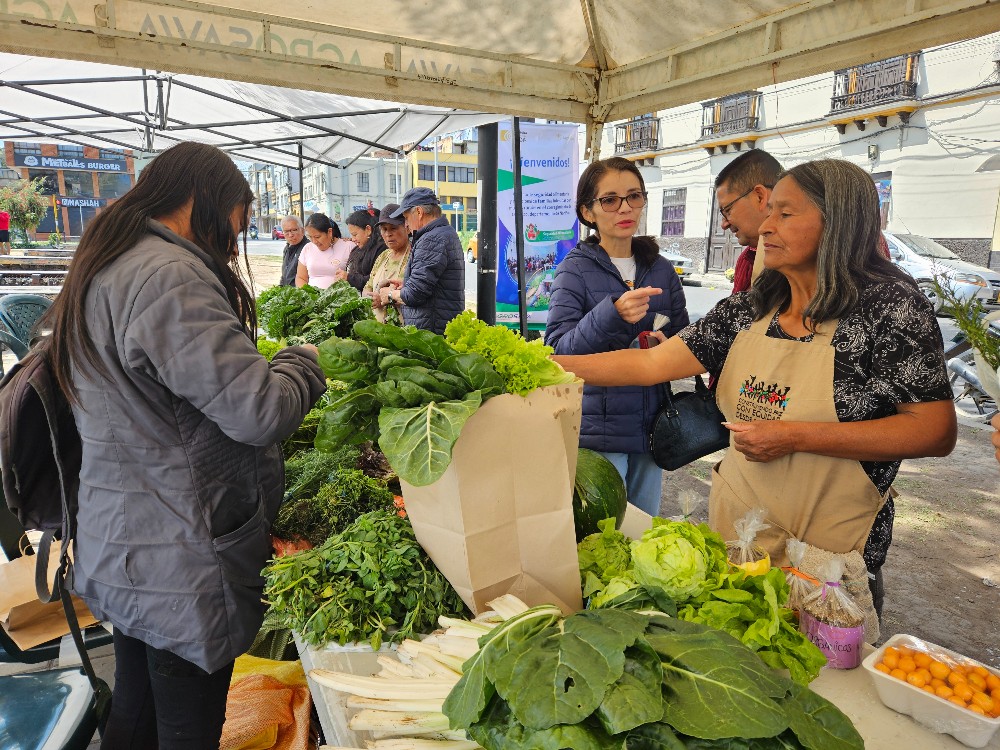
(456, 206)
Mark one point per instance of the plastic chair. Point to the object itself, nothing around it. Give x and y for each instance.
(54, 708)
(21, 312)
(10, 341)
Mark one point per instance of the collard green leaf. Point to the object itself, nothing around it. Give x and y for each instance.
(714, 687)
(616, 629)
(500, 730)
(418, 442)
(557, 677)
(784, 741)
(388, 394)
(817, 723)
(345, 360)
(389, 359)
(475, 370)
(406, 339)
(657, 736)
(468, 699)
(351, 420)
(426, 380)
(635, 699)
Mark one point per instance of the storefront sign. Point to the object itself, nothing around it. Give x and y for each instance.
(60, 162)
(83, 202)
(549, 173)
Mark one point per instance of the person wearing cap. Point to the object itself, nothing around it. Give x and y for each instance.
(391, 264)
(433, 289)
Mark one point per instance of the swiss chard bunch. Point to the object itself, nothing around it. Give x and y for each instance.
(619, 680)
(371, 582)
(409, 391)
(310, 315)
(523, 365)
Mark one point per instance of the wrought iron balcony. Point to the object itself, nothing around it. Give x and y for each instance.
(875, 83)
(640, 134)
(731, 115)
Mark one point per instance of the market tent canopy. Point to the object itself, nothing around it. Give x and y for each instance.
(44, 99)
(574, 60)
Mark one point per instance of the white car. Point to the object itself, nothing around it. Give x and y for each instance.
(923, 259)
(682, 265)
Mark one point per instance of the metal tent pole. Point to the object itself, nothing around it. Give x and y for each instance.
(522, 292)
(486, 263)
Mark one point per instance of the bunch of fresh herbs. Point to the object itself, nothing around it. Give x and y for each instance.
(371, 582)
(968, 315)
(619, 680)
(349, 494)
(307, 471)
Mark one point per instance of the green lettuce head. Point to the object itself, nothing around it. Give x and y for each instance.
(603, 556)
(682, 560)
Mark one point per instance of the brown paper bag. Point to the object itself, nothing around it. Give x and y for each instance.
(26, 620)
(500, 520)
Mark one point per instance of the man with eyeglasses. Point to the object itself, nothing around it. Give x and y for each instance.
(742, 191)
(295, 240)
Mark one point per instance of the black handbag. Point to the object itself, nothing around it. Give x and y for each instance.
(687, 427)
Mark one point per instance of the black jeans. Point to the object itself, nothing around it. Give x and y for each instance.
(163, 702)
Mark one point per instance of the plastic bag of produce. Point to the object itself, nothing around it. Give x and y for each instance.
(689, 502)
(854, 581)
(744, 552)
(832, 620)
(800, 583)
(500, 518)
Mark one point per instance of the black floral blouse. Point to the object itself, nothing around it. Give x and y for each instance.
(888, 351)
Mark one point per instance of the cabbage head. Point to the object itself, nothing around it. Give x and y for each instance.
(603, 556)
(682, 560)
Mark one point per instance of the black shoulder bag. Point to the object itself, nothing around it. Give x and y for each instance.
(687, 427)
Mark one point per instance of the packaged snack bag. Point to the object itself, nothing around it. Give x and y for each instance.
(800, 583)
(832, 620)
(745, 552)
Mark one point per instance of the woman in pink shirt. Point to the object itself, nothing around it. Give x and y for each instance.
(324, 255)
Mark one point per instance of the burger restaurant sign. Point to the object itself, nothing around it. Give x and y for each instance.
(60, 162)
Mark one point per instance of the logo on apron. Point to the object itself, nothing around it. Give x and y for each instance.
(761, 401)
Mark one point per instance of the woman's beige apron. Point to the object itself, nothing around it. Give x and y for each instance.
(827, 502)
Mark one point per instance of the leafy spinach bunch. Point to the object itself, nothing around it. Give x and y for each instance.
(310, 315)
(618, 680)
(409, 391)
(371, 582)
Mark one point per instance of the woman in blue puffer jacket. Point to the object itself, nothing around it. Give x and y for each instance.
(607, 290)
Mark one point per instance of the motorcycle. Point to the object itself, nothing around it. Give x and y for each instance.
(252, 232)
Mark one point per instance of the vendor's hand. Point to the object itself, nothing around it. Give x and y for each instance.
(383, 294)
(634, 304)
(763, 440)
(996, 435)
(340, 276)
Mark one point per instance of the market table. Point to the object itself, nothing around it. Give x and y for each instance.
(852, 691)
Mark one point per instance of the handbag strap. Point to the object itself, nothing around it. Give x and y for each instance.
(667, 394)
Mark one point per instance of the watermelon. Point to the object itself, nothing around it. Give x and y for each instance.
(598, 493)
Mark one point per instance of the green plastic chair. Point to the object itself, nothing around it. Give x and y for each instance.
(21, 312)
(54, 708)
(10, 341)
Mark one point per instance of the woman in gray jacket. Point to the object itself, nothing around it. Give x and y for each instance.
(180, 417)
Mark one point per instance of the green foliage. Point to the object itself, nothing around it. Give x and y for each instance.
(523, 365)
(409, 391)
(268, 348)
(310, 315)
(633, 681)
(349, 494)
(24, 201)
(968, 315)
(371, 577)
(307, 471)
(681, 568)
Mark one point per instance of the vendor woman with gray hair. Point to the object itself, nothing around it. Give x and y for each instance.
(830, 372)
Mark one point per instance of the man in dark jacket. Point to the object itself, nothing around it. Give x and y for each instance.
(433, 288)
(295, 240)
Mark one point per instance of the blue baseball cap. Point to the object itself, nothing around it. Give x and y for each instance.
(418, 196)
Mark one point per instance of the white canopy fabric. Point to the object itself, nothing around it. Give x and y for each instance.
(589, 61)
(43, 99)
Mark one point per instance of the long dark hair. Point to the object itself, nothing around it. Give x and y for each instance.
(322, 223)
(186, 172)
(848, 258)
(644, 248)
(368, 218)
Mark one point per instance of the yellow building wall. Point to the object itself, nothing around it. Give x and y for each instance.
(447, 191)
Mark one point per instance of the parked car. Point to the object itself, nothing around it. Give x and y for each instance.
(923, 259)
(472, 252)
(277, 234)
(683, 265)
